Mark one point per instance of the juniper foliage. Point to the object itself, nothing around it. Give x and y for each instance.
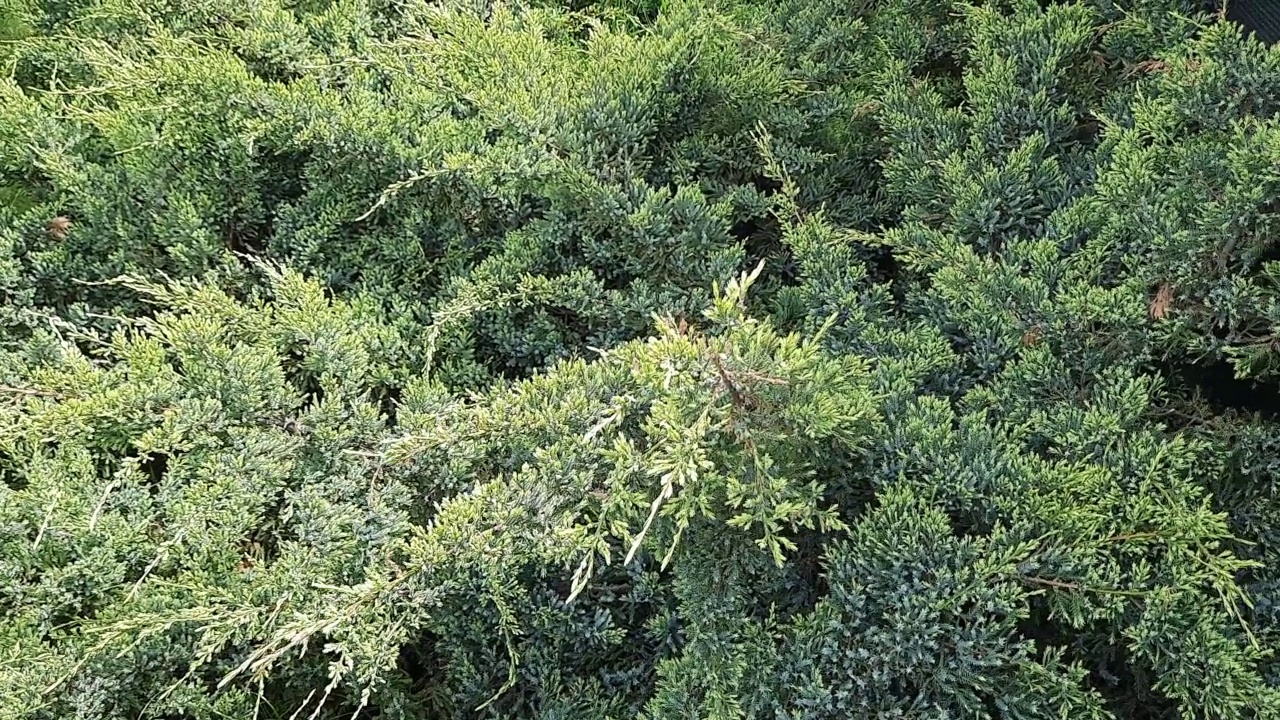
(623, 359)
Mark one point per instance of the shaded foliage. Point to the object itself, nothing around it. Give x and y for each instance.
(695, 359)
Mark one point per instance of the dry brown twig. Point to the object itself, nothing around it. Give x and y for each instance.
(59, 227)
(1161, 303)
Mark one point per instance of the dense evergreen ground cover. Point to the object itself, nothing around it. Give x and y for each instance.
(786, 359)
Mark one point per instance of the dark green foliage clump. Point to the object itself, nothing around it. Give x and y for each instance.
(625, 359)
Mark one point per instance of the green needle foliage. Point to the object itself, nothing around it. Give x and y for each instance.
(638, 359)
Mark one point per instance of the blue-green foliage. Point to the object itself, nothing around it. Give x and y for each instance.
(617, 359)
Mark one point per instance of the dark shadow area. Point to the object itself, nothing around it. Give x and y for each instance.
(420, 664)
(9, 475)
(154, 466)
(1126, 688)
(1215, 384)
(1260, 18)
